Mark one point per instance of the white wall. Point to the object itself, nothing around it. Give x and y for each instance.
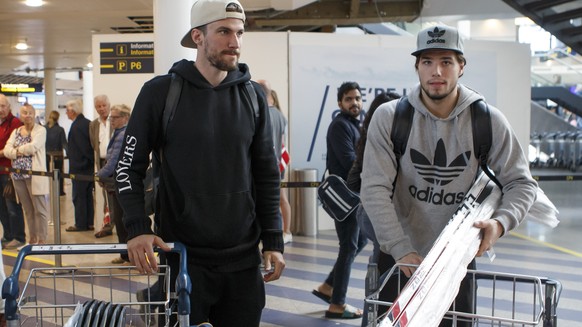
(267, 56)
(301, 66)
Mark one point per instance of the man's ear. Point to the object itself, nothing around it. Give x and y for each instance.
(196, 36)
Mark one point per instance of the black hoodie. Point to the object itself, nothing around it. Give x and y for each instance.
(219, 183)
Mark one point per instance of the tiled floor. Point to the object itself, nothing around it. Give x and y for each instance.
(531, 250)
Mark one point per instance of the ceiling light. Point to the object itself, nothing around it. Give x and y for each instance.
(90, 65)
(21, 45)
(33, 3)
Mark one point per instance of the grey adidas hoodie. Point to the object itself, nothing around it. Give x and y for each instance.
(436, 170)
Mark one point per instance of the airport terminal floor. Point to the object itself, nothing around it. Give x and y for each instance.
(532, 250)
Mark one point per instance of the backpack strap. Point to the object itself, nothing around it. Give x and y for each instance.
(172, 100)
(250, 98)
(482, 136)
(401, 126)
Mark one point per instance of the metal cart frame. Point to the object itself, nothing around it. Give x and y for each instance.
(505, 295)
(76, 279)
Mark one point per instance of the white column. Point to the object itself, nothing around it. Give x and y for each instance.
(50, 91)
(171, 22)
(88, 107)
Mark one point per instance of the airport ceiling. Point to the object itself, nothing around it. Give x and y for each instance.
(562, 18)
(59, 33)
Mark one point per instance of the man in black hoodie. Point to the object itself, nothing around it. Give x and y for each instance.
(219, 180)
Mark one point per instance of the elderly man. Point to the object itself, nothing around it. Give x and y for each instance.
(81, 162)
(100, 132)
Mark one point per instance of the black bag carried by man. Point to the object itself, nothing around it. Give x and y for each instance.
(337, 199)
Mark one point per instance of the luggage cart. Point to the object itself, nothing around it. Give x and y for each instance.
(98, 296)
(502, 300)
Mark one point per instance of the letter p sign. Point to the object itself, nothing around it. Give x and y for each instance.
(121, 65)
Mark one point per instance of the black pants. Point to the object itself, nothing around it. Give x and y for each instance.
(57, 164)
(225, 299)
(116, 213)
(83, 202)
(464, 302)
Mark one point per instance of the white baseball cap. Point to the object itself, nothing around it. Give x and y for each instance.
(207, 11)
(439, 37)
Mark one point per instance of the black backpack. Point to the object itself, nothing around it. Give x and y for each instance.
(480, 121)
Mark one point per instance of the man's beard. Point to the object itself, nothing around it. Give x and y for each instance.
(351, 113)
(436, 97)
(219, 63)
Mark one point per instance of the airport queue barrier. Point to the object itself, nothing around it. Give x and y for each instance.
(55, 175)
(304, 201)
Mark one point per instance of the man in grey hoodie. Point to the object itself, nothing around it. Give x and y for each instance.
(438, 166)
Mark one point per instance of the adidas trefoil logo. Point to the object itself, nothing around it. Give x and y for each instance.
(436, 35)
(439, 172)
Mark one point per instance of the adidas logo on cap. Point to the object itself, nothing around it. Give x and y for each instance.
(439, 37)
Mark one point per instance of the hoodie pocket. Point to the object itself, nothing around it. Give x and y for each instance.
(218, 219)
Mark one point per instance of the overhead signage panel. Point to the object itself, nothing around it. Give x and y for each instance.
(13, 88)
(127, 57)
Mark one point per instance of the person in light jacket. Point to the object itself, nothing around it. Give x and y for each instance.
(26, 149)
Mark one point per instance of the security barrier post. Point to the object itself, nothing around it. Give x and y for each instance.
(56, 212)
(305, 203)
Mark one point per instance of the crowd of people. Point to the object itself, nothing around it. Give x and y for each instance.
(27, 145)
(202, 196)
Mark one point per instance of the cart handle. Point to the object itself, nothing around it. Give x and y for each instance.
(10, 288)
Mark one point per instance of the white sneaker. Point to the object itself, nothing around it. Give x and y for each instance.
(287, 238)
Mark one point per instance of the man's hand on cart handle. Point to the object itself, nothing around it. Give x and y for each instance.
(410, 259)
(141, 252)
(274, 265)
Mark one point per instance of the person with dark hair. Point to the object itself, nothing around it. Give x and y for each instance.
(439, 157)
(56, 142)
(279, 124)
(342, 137)
(219, 196)
(354, 180)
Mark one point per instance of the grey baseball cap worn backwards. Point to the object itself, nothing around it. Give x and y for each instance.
(207, 11)
(439, 37)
